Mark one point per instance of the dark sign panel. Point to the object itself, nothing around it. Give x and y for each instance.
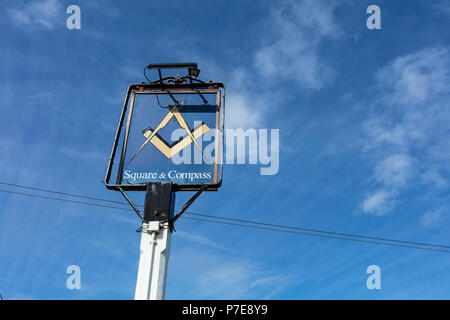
(171, 134)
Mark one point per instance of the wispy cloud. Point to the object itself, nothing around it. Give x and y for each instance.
(433, 218)
(20, 296)
(416, 78)
(287, 48)
(104, 7)
(6, 96)
(203, 241)
(221, 272)
(38, 13)
(394, 171)
(434, 178)
(441, 7)
(245, 108)
(297, 28)
(378, 203)
(409, 129)
(223, 277)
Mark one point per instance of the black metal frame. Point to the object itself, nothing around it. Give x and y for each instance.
(190, 66)
(174, 84)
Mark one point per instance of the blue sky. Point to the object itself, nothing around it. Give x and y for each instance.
(364, 146)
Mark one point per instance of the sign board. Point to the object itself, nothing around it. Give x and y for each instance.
(170, 133)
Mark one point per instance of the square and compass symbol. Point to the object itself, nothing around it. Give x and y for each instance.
(169, 151)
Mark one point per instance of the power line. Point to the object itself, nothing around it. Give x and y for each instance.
(319, 231)
(65, 200)
(264, 226)
(197, 214)
(61, 193)
(319, 235)
(216, 217)
(209, 216)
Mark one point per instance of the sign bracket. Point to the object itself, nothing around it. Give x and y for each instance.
(184, 208)
(131, 203)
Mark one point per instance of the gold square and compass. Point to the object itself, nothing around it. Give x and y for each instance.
(152, 137)
(170, 130)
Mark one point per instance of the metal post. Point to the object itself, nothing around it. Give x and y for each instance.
(155, 242)
(153, 261)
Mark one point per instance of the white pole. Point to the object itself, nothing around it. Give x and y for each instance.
(153, 261)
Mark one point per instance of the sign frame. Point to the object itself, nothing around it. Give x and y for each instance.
(177, 87)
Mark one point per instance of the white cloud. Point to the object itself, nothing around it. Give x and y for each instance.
(287, 48)
(226, 279)
(105, 7)
(435, 178)
(195, 238)
(433, 218)
(441, 7)
(297, 28)
(40, 13)
(394, 171)
(21, 296)
(6, 97)
(408, 132)
(242, 111)
(378, 203)
(245, 106)
(416, 78)
(235, 279)
(209, 274)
